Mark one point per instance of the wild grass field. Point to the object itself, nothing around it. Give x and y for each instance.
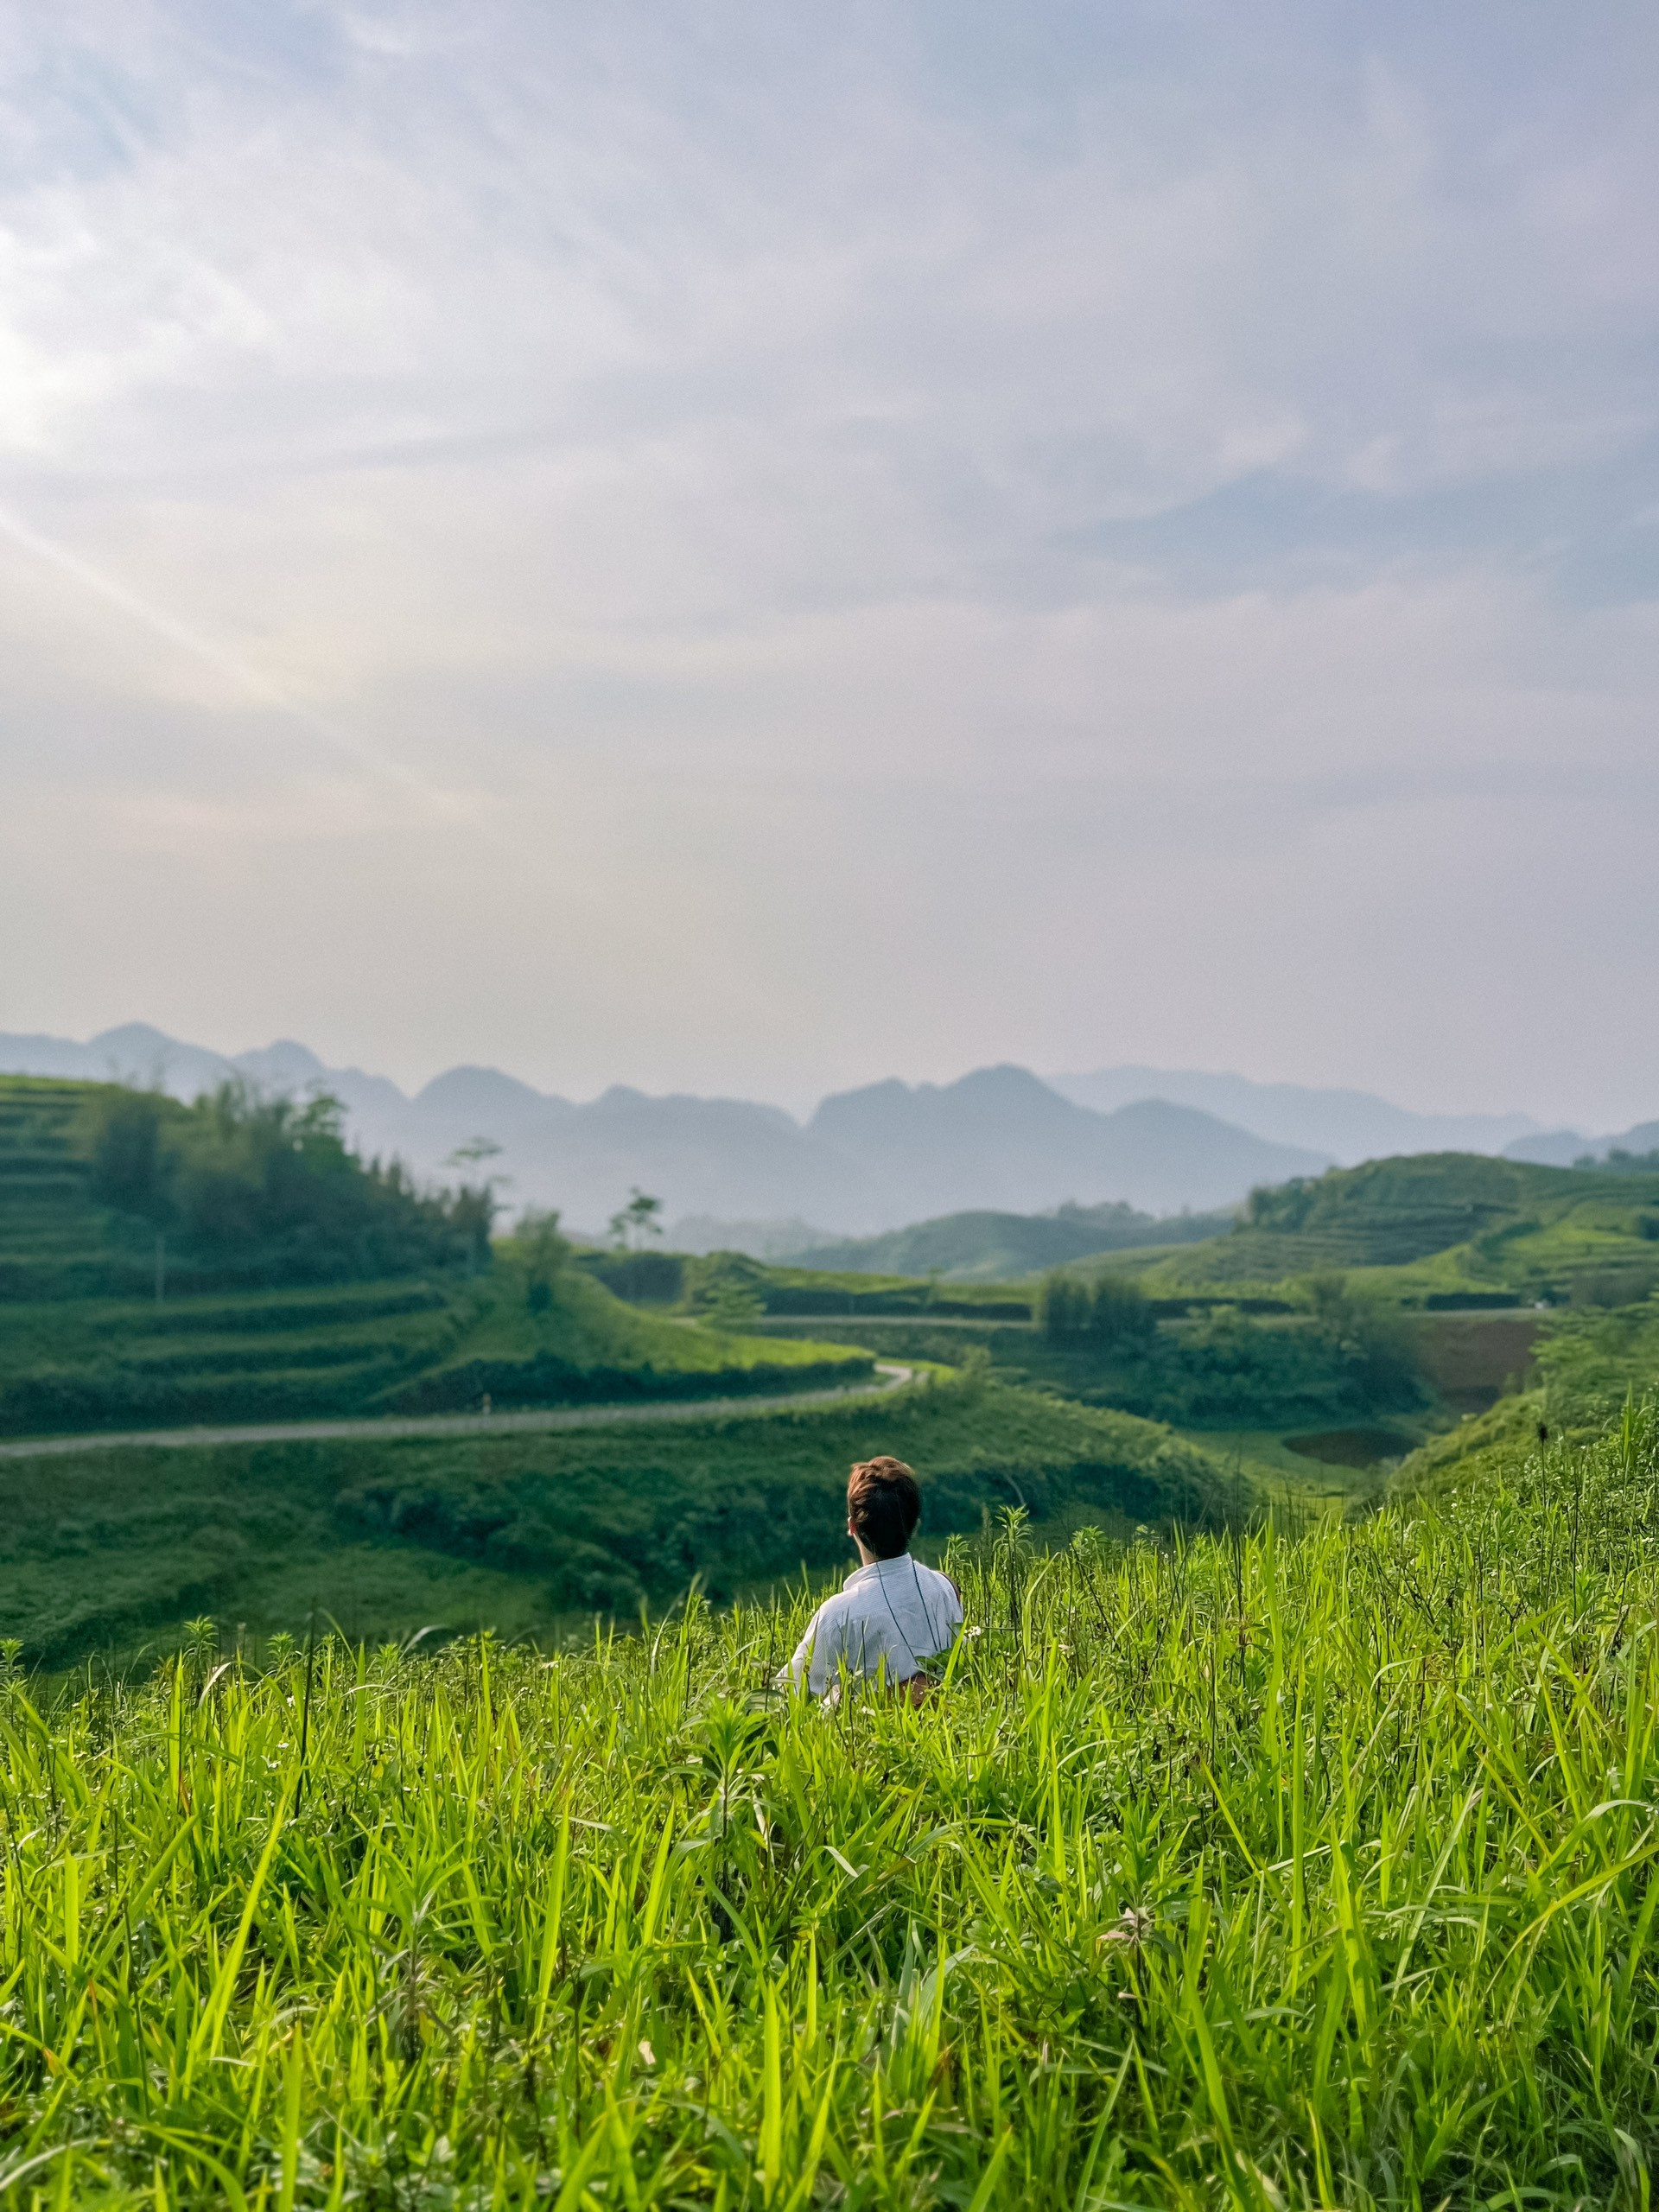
(1292, 1868)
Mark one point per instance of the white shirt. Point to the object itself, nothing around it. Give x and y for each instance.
(895, 1612)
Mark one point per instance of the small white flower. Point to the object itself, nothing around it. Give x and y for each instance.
(647, 2053)
(1134, 1926)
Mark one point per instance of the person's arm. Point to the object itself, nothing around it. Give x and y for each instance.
(818, 1656)
(795, 1672)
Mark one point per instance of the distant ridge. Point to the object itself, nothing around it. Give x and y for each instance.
(1349, 1125)
(869, 1161)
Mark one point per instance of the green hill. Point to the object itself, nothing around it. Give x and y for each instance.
(520, 1531)
(1004, 1247)
(1452, 1228)
(733, 1281)
(401, 1346)
(1587, 1367)
(111, 1193)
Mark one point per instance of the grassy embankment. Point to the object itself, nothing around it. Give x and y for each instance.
(524, 1532)
(1251, 1873)
(1585, 1368)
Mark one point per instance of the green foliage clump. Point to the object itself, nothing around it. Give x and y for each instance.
(727, 1289)
(1113, 1309)
(267, 1188)
(1253, 1872)
(1225, 1368)
(108, 1193)
(543, 1255)
(647, 1278)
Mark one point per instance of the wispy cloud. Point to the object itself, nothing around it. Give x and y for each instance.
(841, 495)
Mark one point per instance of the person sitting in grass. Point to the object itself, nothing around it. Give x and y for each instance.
(893, 1613)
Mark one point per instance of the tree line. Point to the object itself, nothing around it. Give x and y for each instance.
(270, 1185)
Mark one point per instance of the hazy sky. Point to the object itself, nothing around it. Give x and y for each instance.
(752, 548)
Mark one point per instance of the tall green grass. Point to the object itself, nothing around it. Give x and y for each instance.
(1306, 1869)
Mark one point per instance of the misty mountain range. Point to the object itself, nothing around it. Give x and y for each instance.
(1349, 1125)
(868, 1160)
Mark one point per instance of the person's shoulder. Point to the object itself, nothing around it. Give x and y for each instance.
(942, 1583)
(835, 1610)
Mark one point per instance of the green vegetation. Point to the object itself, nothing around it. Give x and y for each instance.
(1254, 1873)
(1585, 1367)
(518, 1531)
(543, 1333)
(1003, 1247)
(1108, 1314)
(698, 1284)
(1227, 1371)
(1334, 1358)
(375, 1348)
(105, 1191)
(1354, 1311)
(1445, 1230)
(109, 1192)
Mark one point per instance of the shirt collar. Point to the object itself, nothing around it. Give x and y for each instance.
(873, 1572)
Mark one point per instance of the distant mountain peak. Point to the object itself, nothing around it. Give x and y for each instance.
(273, 1066)
(472, 1090)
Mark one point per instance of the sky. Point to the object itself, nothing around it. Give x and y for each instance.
(752, 549)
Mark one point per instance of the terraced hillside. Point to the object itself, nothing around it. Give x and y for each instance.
(410, 1346)
(95, 1337)
(55, 1240)
(1454, 1229)
(109, 1192)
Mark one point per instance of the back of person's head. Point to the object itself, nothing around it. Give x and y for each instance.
(883, 1505)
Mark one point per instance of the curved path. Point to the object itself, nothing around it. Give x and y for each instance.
(308, 1432)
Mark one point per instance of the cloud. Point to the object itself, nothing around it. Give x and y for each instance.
(759, 549)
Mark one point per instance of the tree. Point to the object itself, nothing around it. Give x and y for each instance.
(633, 1224)
(545, 1253)
(1114, 1312)
(134, 1168)
(474, 1152)
(1062, 1307)
(1119, 1312)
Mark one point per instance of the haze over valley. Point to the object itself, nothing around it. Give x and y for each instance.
(749, 1175)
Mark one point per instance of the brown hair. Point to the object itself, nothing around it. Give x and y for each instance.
(884, 1505)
